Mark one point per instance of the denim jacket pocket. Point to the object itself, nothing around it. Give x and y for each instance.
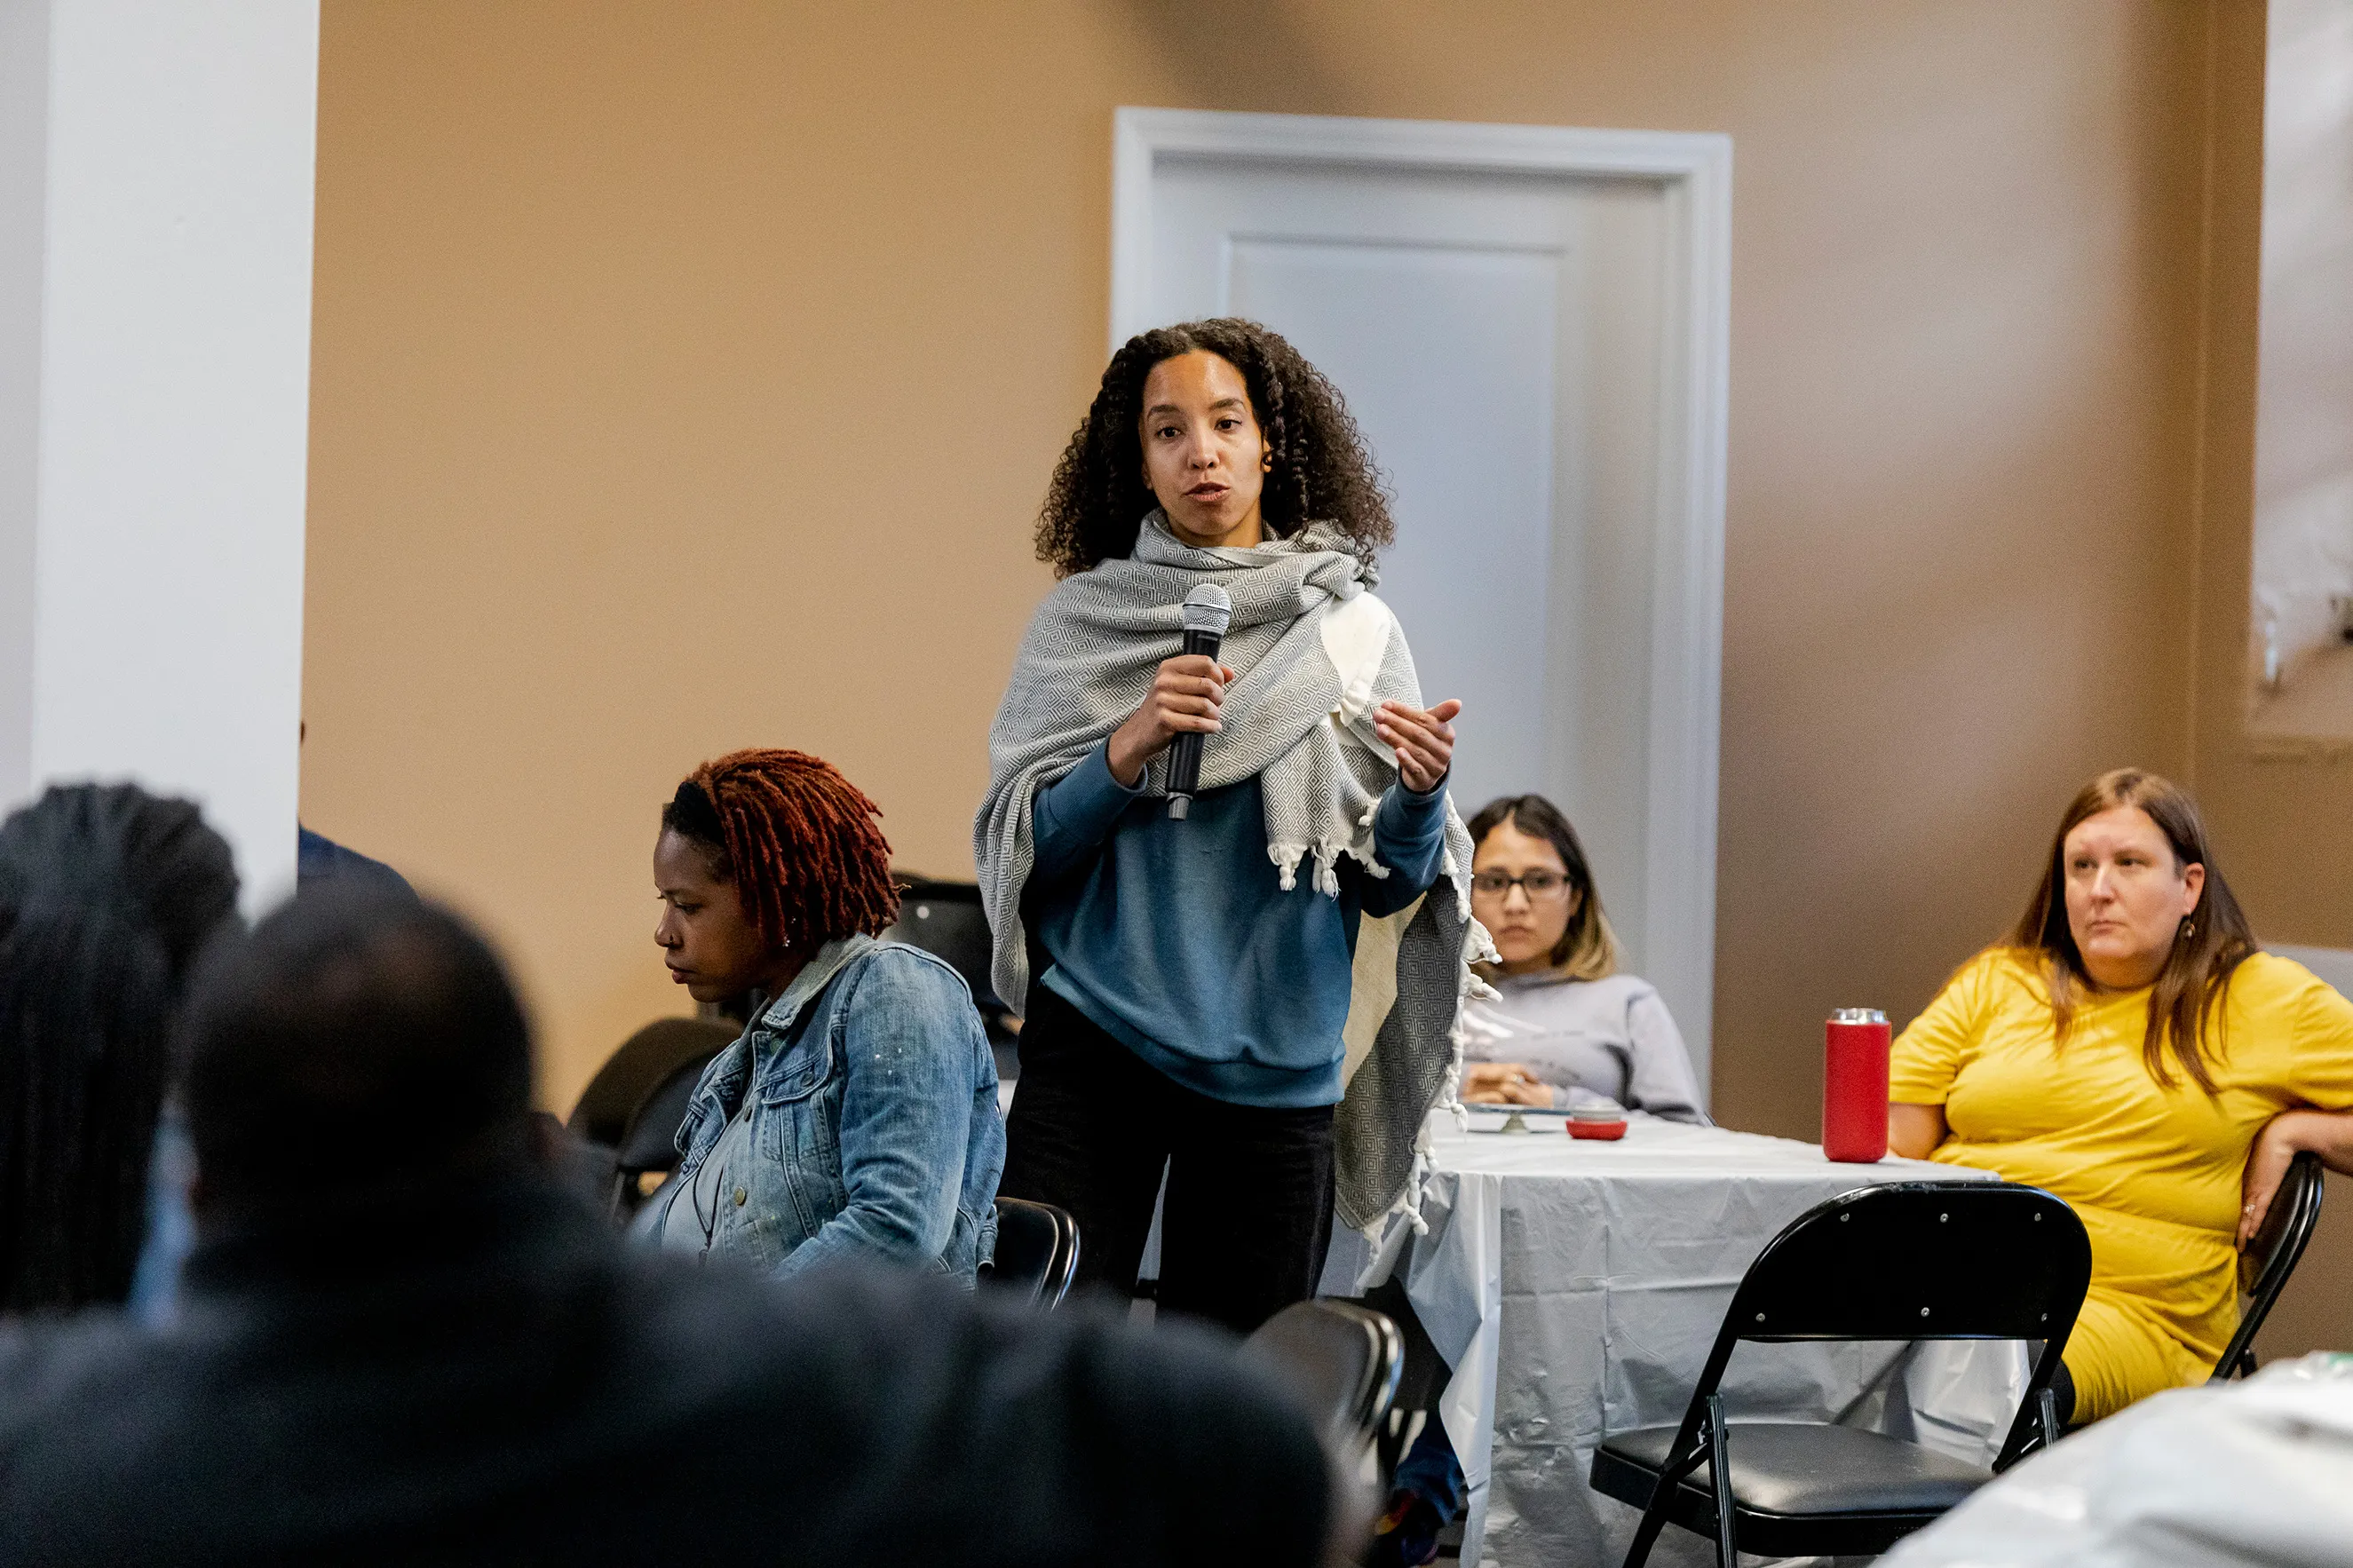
(799, 1103)
(801, 1073)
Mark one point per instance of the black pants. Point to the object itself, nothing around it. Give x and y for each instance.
(1249, 1211)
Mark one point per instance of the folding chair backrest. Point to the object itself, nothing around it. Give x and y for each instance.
(1036, 1251)
(2271, 1256)
(641, 1065)
(946, 920)
(1343, 1359)
(1920, 1260)
(1914, 1260)
(2272, 1251)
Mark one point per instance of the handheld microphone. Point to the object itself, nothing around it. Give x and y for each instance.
(1207, 611)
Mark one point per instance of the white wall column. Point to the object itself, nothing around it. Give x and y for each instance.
(157, 174)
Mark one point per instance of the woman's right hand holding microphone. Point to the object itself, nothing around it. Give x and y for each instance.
(1184, 699)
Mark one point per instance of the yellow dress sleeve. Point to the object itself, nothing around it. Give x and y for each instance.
(1927, 1057)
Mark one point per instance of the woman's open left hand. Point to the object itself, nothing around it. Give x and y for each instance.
(1424, 741)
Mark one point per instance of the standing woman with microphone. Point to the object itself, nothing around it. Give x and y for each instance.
(1194, 980)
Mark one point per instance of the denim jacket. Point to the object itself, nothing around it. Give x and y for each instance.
(874, 1128)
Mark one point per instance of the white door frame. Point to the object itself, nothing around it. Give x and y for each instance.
(1695, 171)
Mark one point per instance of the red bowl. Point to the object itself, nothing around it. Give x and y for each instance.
(1608, 1132)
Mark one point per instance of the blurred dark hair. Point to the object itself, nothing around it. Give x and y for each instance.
(1589, 949)
(1322, 471)
(357, 1040)
(2212, 940)
(106, 896)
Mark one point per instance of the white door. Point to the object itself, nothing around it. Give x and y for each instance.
(1516, 338)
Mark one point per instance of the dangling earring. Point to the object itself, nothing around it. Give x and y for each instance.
(2188, 930)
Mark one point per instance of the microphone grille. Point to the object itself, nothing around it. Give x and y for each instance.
(1208, 609)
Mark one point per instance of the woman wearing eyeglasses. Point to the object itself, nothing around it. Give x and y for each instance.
(1564, 1024)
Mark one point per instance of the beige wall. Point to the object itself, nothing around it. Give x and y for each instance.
(687, 376)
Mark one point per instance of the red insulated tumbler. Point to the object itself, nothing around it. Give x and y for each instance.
(1855, 1086)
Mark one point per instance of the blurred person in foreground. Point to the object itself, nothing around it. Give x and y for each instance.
(398, 1343)
(2130, 1049)
(107, 895)
(2237, 1475)
(1563, 1024)
(856, 1116)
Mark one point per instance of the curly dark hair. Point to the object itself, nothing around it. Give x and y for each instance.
(1321, 470)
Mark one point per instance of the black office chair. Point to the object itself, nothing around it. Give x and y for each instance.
(1924, 1260)
(2271, 1257)
(946, 920)
(1037, 1252)
(1343, 1358)
(631, 1110)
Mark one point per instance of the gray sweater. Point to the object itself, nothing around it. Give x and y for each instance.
(1610, 1037)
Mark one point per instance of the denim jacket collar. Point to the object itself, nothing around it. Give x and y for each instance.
(725, 1083)
(775, 1016)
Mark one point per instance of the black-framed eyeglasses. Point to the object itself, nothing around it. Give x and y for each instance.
(1537, 885)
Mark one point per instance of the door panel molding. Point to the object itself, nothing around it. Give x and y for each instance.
(1693, 170)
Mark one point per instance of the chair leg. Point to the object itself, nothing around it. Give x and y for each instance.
(1646, 1535)
(1719, 1462)
(1654, 1516)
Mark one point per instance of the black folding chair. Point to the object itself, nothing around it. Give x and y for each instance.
(1343, 1358)
(1915, 1260)
(638, 1068)
(1037, 1251)
(631, 1110)
(2271, 1257)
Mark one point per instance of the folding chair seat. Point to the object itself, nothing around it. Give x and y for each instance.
(1925, 1260)
(1801, 1489)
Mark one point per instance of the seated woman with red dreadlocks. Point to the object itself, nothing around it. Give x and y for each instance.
(857, 1116)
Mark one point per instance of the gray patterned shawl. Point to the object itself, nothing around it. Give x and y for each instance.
(1314, 653)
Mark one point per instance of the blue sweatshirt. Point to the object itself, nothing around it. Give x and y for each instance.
(1176, 938)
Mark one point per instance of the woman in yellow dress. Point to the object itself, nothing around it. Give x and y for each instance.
(2130, 1049)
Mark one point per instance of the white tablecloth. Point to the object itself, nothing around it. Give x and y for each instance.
(1576, 1288)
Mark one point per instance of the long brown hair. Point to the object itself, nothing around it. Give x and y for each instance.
(1588, 950)
(2185, 1004)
